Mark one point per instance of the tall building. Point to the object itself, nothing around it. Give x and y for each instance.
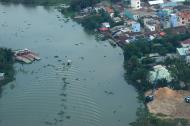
(174, 20)
(136, 4)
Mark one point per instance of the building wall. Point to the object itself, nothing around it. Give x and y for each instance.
(150, 27)
(174, 20)
(184, 18)
(128, 14)
(136, 27)
(136, 4)
(177, 0)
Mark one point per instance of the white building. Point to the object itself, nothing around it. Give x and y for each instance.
(150, 27)
(177, 0)
(106, 24)
(151, 24)
(136, 4)
(154, 2)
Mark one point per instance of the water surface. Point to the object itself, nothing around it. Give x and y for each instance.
(90, 92)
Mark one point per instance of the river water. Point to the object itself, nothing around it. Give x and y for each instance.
(90, 92)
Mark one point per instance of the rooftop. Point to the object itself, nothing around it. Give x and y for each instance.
(187, 41)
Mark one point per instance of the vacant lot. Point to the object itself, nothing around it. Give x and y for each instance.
(170, 103)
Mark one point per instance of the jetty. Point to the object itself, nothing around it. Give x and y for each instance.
(26, 56)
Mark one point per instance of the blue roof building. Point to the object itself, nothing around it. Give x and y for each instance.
(135, 27)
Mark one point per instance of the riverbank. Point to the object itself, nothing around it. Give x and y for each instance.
(6, 66)
(141, 59)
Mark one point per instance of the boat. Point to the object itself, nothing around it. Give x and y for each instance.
(22, 59)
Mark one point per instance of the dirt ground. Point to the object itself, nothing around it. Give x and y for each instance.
(170, 103)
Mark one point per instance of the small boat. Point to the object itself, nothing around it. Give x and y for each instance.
(28, 57)
(69, 62)
(22, 59)
(34, 56)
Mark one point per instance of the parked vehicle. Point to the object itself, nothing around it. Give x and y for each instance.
(187, 99)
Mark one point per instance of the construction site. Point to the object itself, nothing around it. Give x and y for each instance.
(169, 103)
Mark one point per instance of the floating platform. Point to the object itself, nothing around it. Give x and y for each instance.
(26, 56)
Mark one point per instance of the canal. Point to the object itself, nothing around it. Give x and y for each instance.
(90, 92)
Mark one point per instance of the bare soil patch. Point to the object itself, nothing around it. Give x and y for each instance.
(170, 103)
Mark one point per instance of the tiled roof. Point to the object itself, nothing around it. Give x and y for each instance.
(184, 14)
(187, 41)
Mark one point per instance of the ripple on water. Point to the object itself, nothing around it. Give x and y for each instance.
(81, 107)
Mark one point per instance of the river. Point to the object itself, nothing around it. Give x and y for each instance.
(90, 92)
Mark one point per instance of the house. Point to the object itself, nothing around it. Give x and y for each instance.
(155, 2)
(152, 24)
(177, 0)
(162, 34)
(131, 14)
(117, 19)
(174, 20)
(106, 24)
(135, 27)
(136, 4)
(86, 10)
(184, 54)
(2, 76)
(164, 12)
(184, 17)
(185, 43)
(139, 14)
(168, 4)
(105, 27)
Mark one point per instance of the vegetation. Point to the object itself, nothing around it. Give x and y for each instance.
(94, 20)
(77, 5)
(138, 64)
(144, 118)
(180, 71)
(6, 65)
